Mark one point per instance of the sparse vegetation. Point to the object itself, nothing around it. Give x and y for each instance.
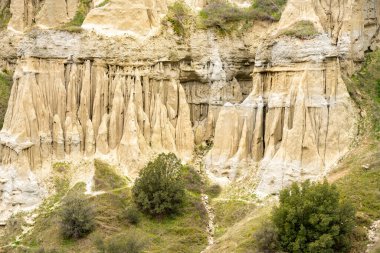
(107, 178)
(227, 17)
(214, 190)
(5, 14)
(364, 88)
(130, 242)
(75, 24)
(160, 190)
(311, 218)
(361, 185)
(5, 91)
(180, 17)
(230, 212)
(269, 9)
(132, 215)
(103, 3)
(266, 238)
(192, 179)
(77, 217)
(302, 30)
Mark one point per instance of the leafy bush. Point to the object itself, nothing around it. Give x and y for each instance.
(129, 243)
(223, 16)
(192, 179)
(159, 190)
(302, 30)
(179, 15)
(266, 238)
(132, 215)
(311, 218)
(226, 17)
(269, 9)
(77, 217)
(5, 91)
(214, 190)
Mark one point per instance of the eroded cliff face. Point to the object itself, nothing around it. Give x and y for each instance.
(71, 109)
(40, 13)
(290, 126)
(275, 107)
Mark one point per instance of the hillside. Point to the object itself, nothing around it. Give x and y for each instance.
(251, 96)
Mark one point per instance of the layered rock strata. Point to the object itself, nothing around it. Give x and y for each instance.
(290, 126)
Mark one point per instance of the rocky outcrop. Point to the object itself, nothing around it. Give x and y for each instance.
(290, 126)
(43, 13)
(60, 110)
(355, 22)
(132, 17)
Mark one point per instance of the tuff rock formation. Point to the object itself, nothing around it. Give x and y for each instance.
(58, 109)
(132, 17)
(43, 13)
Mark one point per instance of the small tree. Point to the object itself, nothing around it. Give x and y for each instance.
(179, 15)
(311, 218)
(159, 190)
(266, 238)
(77, 217)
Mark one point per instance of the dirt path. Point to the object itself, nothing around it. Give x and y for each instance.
(198, 164)
(210, 225)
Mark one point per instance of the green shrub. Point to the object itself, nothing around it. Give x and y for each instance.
(311, 218)
(192, 179)
(129, 243)
(214, 190)
(77, 217)
(179, 15)
(5, 91)
(222, 15)
(159, 190)
(302, 30)
(5, 13)
(132, 215)
(269, 9)
(266, 238)
(227, 17)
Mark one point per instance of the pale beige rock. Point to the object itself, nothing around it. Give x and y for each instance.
(53, 13)
(90, 139)
(117, 113)
(184, 136)
(61, 110)
(46, 14)
(299, 10)
(131, 17)
(292, 130)
(58, 140)
(102, 137)
(22, 15)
